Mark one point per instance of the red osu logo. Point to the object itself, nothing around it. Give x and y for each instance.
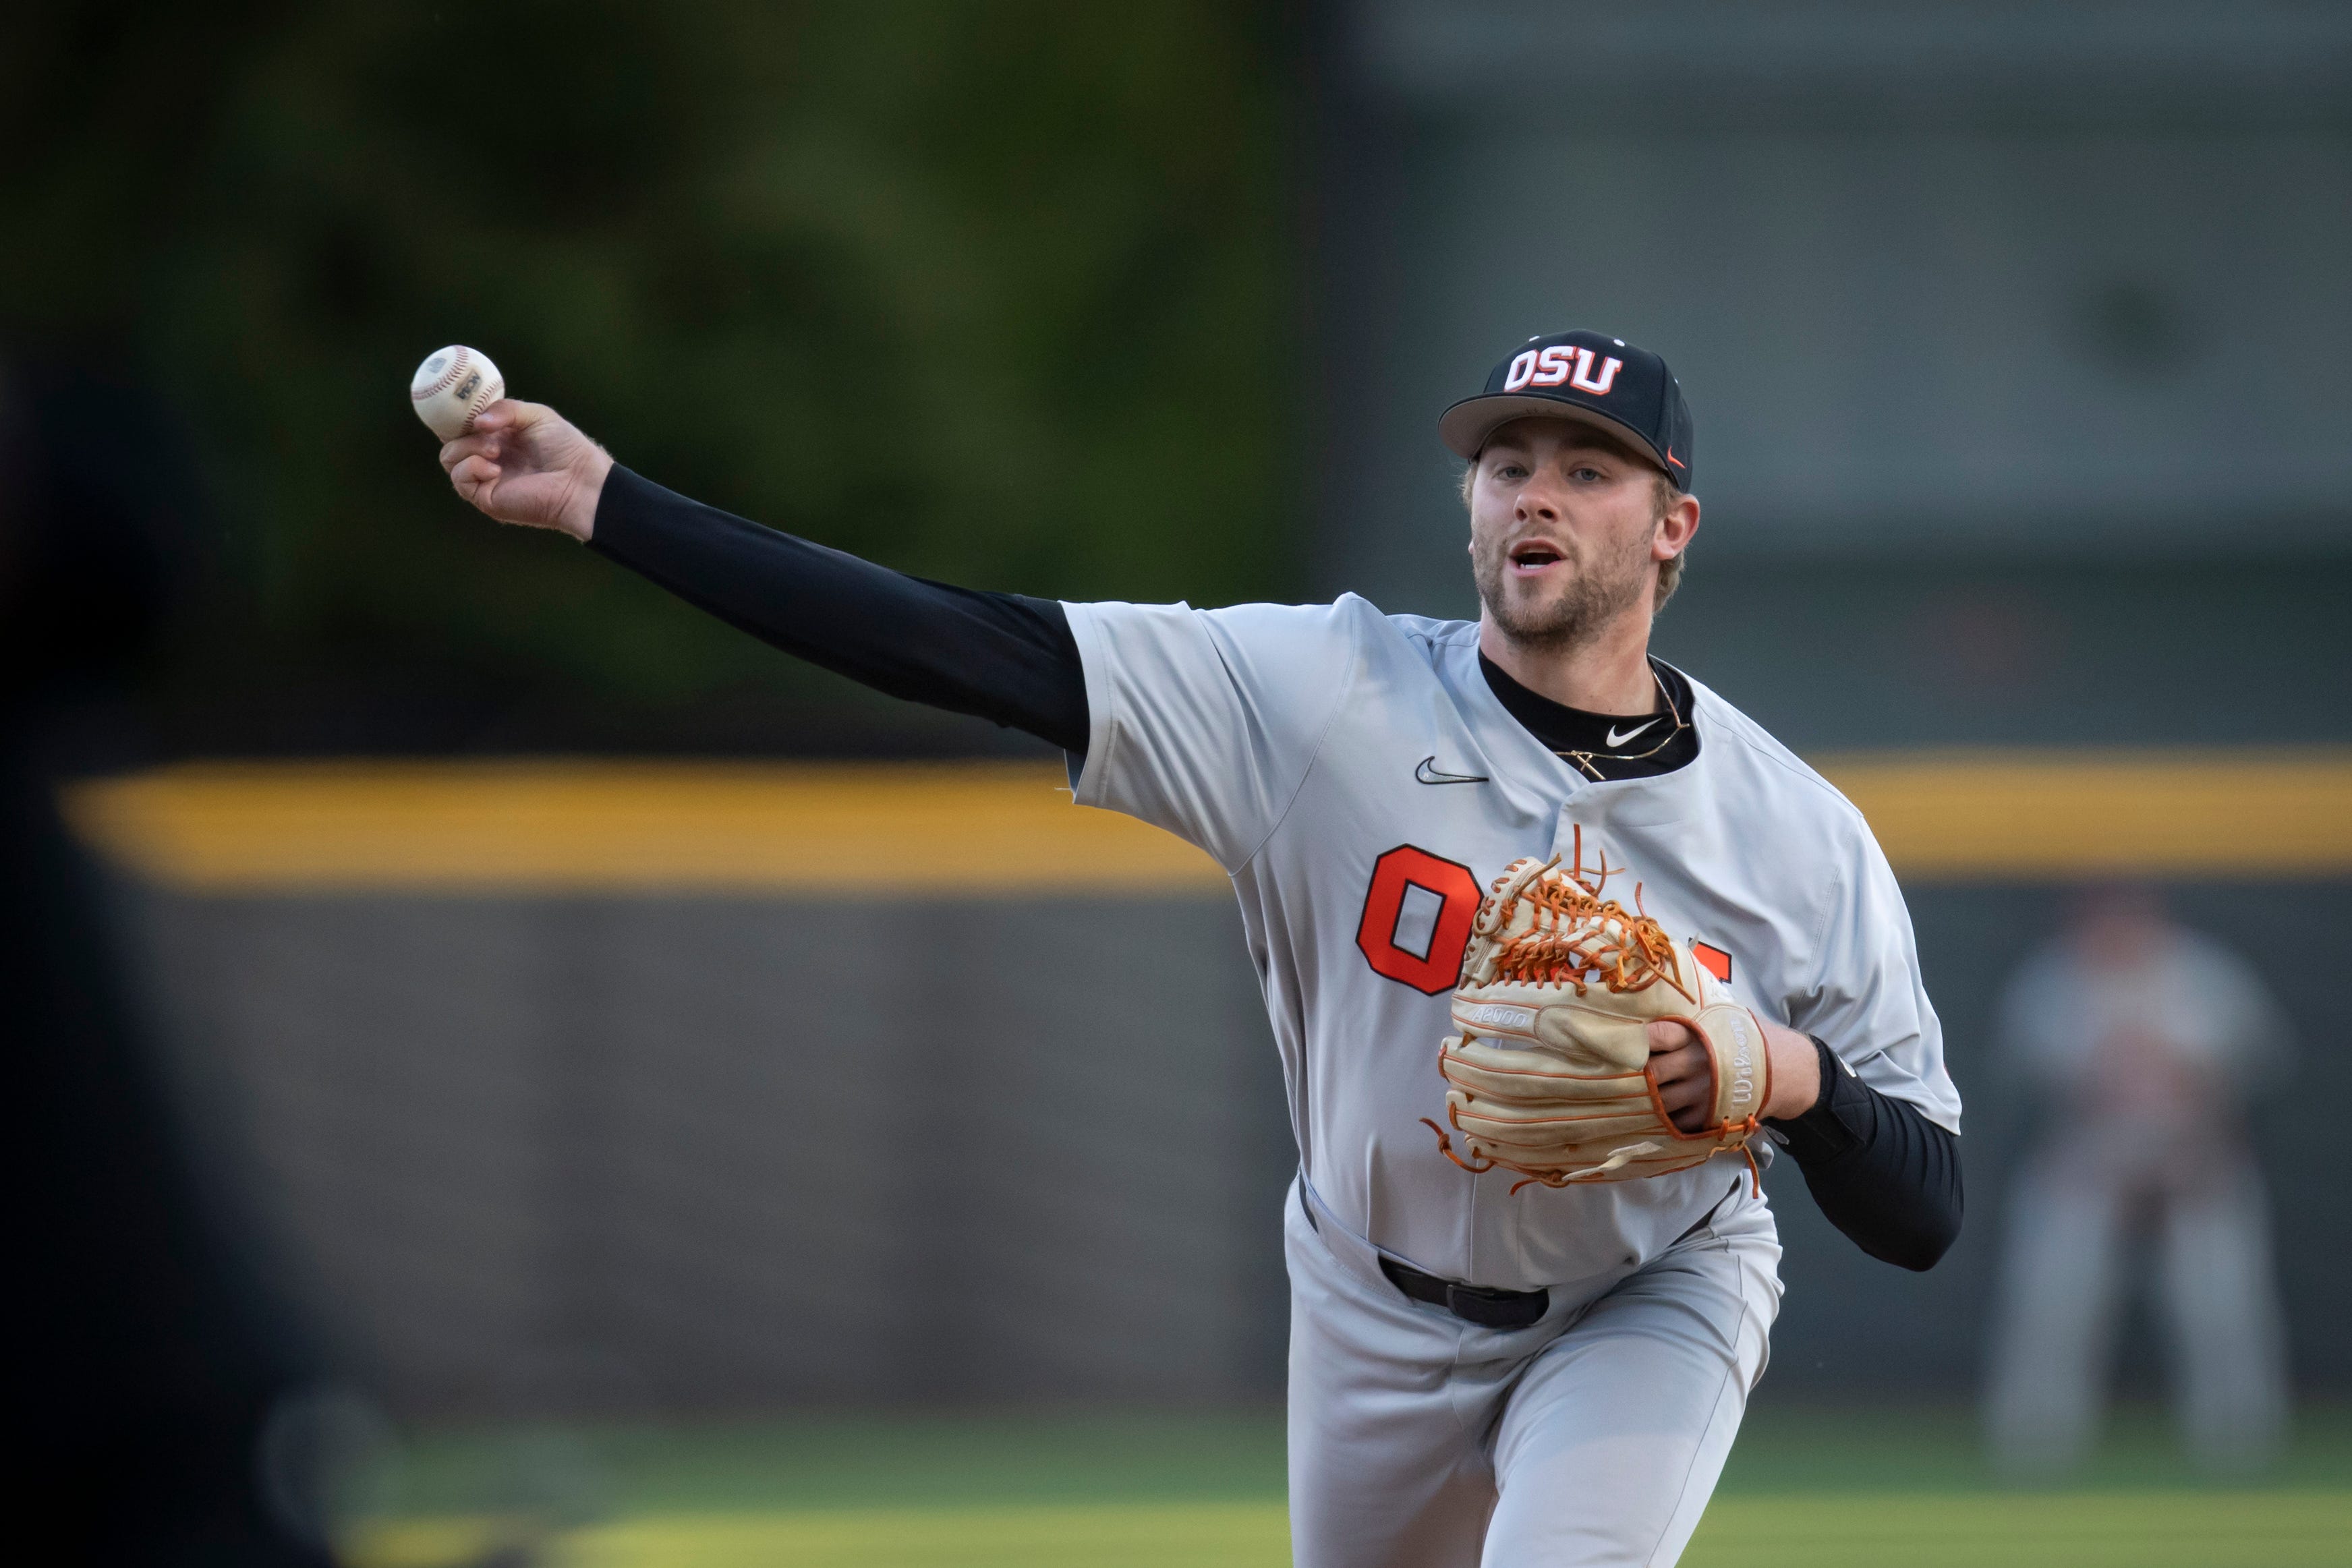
(1455, 885)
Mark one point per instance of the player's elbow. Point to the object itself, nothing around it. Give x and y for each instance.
(1918, 1237)
(1917, 1247)
(1902, 1204)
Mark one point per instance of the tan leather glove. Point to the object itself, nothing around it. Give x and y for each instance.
(1549, 1075)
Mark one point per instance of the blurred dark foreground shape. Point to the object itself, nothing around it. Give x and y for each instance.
(167, 1407)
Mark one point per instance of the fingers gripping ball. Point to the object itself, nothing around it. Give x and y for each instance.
(1548, 1076)
(452, 386)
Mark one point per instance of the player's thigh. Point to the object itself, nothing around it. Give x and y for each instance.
(1384, 1468)
(2061, 1271)
(1611, 1445)
(2219, 1280)
(2216, 1251)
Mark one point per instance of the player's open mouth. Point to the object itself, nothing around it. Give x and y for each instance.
(1532, 556)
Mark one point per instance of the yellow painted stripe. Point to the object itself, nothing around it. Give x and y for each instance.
(2033, 815)
(492, 827)
(1009, 828)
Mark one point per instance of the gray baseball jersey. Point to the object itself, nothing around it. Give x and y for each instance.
(1357, 778)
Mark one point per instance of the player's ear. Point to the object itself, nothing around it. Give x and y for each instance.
(1677, 521)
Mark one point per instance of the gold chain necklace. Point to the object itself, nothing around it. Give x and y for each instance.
(1583, 759)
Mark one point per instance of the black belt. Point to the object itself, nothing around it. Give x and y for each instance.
(1471, 1304)
(1480, 1304)
(1489, 1309)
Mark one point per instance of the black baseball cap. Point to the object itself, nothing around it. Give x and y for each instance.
(1590, 376)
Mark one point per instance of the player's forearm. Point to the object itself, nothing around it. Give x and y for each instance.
(1002, 656)
(1881, 1173)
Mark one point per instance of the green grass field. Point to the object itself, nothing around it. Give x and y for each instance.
(1805, 1489)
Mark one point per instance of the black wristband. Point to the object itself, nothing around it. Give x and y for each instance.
(1841, 1120)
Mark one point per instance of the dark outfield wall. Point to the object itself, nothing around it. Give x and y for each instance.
(634, 1154)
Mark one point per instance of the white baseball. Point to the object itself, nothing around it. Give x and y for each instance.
(452, 386)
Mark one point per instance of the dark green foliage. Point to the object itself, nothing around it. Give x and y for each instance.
(997, 293)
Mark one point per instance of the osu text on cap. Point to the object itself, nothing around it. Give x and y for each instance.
(1560, 362)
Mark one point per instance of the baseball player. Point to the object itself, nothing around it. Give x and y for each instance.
(2145, 1041)
(1510, 1345)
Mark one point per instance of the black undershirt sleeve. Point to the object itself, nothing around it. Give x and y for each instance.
(1002, 656)
(1883, 1174)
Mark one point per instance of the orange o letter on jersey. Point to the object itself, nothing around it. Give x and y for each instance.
(1406, 867)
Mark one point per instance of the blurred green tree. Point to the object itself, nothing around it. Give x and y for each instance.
(998, 293)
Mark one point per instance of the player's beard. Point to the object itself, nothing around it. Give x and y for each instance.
(1596, 591)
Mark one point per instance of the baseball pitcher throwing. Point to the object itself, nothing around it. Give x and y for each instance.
(1559, 947)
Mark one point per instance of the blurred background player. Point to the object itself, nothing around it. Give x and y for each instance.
(2145, 1041)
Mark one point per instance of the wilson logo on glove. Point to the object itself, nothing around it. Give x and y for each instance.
(1549, 1075)
(1494, 1016)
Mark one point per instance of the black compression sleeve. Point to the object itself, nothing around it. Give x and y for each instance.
(1881, 1171)
(1002, 656)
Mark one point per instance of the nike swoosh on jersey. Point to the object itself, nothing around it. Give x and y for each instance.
(1429, 775)
(1617, 739)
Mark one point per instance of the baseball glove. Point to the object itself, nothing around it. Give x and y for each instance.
(1550, 1076)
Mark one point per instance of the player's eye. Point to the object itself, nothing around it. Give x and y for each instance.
(1585, 472)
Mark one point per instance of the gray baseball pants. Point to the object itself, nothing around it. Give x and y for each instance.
(1593, 1436)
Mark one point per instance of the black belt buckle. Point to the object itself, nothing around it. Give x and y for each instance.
(1480, 1304)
